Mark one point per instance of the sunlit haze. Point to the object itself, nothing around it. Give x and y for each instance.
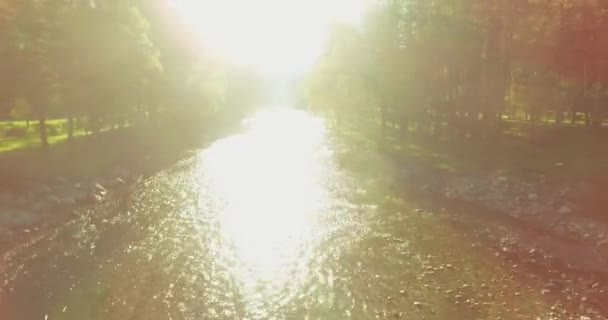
(272, 36)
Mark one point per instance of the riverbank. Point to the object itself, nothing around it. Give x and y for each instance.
(536, 224)
(41, 187)
(545, 217)
(551, 183)
(382, 246)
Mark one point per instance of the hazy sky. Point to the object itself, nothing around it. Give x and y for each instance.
(273, 36)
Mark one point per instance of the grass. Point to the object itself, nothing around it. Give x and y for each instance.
(31, 139)
(140, 149)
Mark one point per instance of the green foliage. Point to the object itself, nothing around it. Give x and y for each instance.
(453, 68)
(106, 63)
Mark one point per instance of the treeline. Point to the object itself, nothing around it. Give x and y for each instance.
(105, 63)
(457, 68)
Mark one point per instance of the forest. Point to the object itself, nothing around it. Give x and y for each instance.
(466, 69)
(76, 67)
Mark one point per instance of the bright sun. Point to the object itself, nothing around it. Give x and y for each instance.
(273, 36)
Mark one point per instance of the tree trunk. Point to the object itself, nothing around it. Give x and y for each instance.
(70, 127)
(383, 120)
(44, 141)
(573, 117)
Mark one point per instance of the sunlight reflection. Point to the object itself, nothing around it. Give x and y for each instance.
(270, 178)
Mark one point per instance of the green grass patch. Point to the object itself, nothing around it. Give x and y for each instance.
(16, 135)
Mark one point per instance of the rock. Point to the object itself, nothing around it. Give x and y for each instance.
(559, 164)
(602, 243)
(417, 304)
(418, 211)
(503, 179)
(532, 196)
(95, 198)
(100, 189)
(564, 210)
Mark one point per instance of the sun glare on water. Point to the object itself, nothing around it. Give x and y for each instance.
(271, 179)
(272, 36)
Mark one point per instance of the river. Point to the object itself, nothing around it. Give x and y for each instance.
(265, 224)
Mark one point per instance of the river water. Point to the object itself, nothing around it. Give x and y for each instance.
(264, 224)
